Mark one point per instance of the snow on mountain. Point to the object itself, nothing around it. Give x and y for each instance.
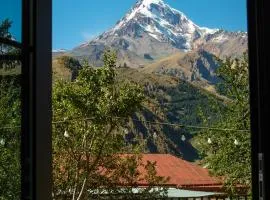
(59, 50)
(152, 30)
(163, 23)
(141, 7)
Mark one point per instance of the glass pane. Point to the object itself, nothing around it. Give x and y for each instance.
(10, 103)
(151, 80)
(11, 11)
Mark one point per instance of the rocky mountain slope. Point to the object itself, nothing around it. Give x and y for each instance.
(198, 67)
(152, 30)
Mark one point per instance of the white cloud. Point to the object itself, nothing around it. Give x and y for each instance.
(87, 36)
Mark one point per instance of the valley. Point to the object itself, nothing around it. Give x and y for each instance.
(174, 60)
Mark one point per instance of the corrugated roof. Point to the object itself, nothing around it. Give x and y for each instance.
(182, 173)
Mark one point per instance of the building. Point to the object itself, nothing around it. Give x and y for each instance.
(188, 181)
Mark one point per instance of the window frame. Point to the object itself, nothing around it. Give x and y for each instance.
(259, 62)
(36, 147)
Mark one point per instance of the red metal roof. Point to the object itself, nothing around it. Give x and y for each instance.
(183, 174)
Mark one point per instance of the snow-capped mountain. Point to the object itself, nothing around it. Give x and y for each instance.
(152, 30)
(162, 23)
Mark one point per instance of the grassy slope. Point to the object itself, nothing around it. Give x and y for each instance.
(168, 62)
(60, 71)
(179, 65)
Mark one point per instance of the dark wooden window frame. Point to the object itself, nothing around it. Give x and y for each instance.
(36, 64)
(36, 60)
(36, 148)
(259, 62)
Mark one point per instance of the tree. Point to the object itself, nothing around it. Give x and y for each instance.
(4, 33)
(71, 63)
(89, 139)
(228, 153)
(9, 138)
(123, 178)
(5, 26)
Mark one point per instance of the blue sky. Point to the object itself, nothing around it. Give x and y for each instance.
(76, 21)
(12, 9)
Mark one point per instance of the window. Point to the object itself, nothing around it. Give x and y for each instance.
(25, 100)
(10, 100)
(193, 104)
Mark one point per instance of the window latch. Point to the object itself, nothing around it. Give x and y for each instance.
(261, 177)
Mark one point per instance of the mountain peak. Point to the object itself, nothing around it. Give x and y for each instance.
(148, 2)
(152, 29)
(152, 9)
(161, 22)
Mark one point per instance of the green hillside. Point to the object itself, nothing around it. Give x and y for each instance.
(168, 101)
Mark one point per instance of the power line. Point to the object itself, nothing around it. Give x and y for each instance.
(145, 121)
(190, 126)
(160, 123)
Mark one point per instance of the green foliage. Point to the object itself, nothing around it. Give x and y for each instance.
(227, 153)
(71, 63)
(9, 122)
(4, 29)
(124, 177)
(9, 138)
(5, 25)
(168, 100)
(81, 148)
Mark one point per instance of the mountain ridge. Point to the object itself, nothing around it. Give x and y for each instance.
(152, 30)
